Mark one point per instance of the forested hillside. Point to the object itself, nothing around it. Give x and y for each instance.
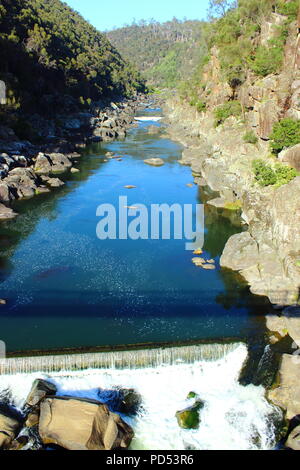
(248, 40)
(51, 57)
(164, 52)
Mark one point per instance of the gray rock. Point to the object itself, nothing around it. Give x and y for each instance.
(55, 183)
(6, 213)
(40, 389)
(241, 252)
(154, 162)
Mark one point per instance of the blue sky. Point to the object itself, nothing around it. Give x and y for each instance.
(107, 14)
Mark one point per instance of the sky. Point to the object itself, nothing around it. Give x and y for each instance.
(105, 15)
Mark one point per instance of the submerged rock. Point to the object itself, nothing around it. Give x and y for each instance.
(130, 401)
(78, 424)
(55, 183)
(190, 417)
(209, 267)
(198, 261)
(154, 162)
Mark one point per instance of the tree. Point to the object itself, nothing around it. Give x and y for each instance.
(218, 8)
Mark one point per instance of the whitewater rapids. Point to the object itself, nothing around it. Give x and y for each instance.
(234, 417)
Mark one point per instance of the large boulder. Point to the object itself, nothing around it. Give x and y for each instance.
(241, 252)
(22, 181)
(76, 424)
(40, 389)
(10, 424)
(42, 164)
(52, 163)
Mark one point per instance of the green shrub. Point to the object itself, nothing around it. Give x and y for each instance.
(267, 60)
(232, 108)
(284, 174)
(250, 138)
(289, 9)
(286, 133)
(266, 175)
(199, 105)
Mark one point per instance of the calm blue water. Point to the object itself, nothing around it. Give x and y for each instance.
(66, 288)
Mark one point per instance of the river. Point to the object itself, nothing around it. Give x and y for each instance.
(65, 288)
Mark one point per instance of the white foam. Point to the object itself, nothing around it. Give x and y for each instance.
(148, 118)
(234, 417)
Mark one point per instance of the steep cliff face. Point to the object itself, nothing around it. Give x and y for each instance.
(268, 254)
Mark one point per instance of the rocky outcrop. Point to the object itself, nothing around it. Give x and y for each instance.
(82, 425)
(53, 163)
(10, 424)
(287, 394)
(268, 256)
(25, 169)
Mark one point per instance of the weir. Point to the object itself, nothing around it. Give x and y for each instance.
(117, 359)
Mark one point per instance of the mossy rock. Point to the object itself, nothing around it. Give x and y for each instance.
(192, 395)
(190, 417)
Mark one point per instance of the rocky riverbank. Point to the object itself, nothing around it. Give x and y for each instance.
(267, 252)
(28, 169)
(48, 420)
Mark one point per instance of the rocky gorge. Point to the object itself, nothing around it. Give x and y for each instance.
(28, 169)
(267, 252)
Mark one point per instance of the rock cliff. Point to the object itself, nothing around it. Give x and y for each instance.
(268, 253)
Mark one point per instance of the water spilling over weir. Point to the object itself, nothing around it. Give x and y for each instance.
(234, 416)
(117, 359)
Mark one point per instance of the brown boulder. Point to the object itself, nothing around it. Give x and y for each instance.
(6, 213)
(76, 424)
(39, 390)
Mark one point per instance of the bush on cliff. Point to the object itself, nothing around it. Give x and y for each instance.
(286, 133)
(250, 138)
(231, 108)
(266, 175)
(267, 60)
